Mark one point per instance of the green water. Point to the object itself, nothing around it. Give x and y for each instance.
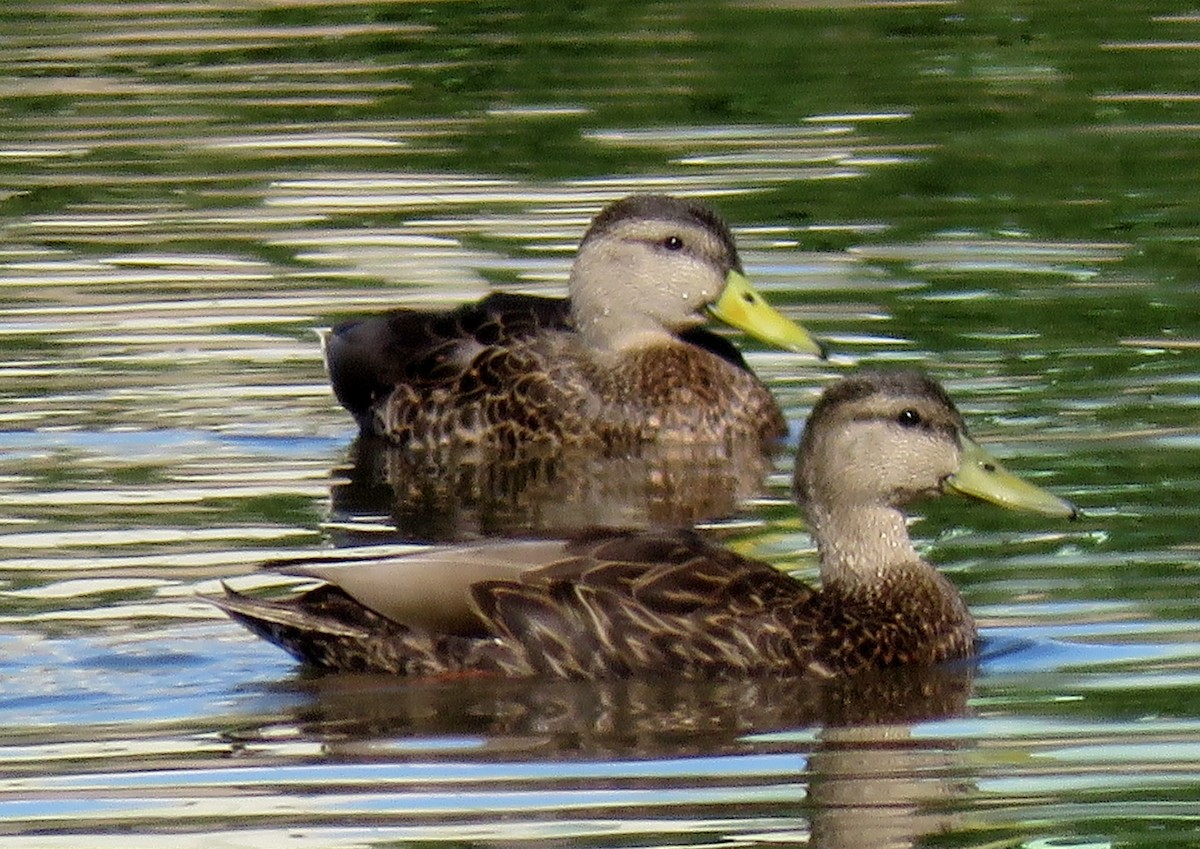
(1001, 193)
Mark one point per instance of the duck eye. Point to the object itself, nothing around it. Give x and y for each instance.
(909, 418)
(673, 243)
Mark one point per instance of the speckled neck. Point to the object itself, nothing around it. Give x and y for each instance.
(859, 545)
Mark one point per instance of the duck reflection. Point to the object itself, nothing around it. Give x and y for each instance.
(637, 717)
(863, 777)
(526, 492)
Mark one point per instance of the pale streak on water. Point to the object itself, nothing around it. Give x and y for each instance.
(167, 425)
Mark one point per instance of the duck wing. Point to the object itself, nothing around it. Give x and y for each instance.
(429, 588)
(626, 603)
(366, 358)
(604, 603)
(405, 614)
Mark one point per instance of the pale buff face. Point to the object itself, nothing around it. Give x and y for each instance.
(641, 275)
(881, 450)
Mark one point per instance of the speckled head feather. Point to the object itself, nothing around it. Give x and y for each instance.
(900, 386)
(907, 400)
(664, 208)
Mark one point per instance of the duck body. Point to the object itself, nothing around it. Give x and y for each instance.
(623, 360)
(511, 371)
(622, 603)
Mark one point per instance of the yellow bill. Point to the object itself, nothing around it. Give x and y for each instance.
(981, 476)
(742, 307)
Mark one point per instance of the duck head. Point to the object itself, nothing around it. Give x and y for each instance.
(651, 266)
(879, 440)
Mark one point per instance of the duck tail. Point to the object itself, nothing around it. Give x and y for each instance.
(325, 627)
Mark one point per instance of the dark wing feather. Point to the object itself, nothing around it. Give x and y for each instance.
(549, 633)
(628, 603)
(619, 603)
(366, 358)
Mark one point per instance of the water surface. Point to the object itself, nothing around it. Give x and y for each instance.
(1000, 193)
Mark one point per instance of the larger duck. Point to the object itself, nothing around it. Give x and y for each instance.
(623, 361)
(611, 603)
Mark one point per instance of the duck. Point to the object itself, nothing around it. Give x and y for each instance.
(613, 603)
(623, 361)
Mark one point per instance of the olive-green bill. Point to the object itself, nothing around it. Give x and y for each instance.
(742, 307)
(980, 475)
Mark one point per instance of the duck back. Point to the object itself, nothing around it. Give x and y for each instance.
(510, 371)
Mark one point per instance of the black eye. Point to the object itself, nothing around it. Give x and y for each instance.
(909, 418)
(673, 243)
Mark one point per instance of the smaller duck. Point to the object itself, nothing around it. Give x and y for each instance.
(623, 603)
(622, 362)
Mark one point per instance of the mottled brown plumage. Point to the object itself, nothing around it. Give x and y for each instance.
(622, 362)
(623, 603)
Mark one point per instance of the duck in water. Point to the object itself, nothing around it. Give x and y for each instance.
(624, 603)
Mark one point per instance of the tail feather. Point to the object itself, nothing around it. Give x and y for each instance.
(326, 627)
(262, 616)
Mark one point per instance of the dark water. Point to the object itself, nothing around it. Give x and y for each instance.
(1004, 194)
